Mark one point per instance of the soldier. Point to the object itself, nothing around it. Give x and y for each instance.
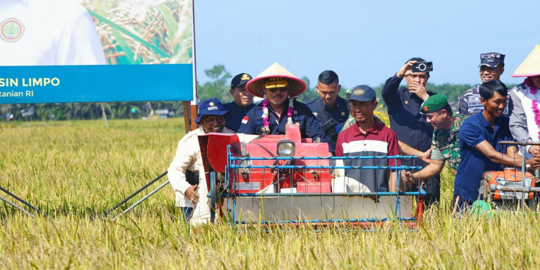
(242, 103)
(329, 108)
(445, 142)
(491, 68)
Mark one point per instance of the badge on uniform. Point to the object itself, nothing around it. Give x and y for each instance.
(11, 30)
(406, 102)
(245, 120)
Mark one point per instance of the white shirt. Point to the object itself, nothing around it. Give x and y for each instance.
(53, 32)
(188, 157)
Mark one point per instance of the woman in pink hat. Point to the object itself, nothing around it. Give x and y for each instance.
(525, 118)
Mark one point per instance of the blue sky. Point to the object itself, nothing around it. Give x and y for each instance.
(365, 42)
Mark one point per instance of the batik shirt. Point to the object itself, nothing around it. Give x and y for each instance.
(445, 143)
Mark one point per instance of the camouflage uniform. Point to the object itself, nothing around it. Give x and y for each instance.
(445, 143)
(469, 103)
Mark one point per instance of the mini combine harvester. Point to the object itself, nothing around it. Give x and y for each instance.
(283, 179)
(508, 189)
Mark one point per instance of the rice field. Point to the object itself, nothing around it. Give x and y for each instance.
(76, 170)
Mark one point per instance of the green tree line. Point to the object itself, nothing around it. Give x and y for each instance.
(217, 87)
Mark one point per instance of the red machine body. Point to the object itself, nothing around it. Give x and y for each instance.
(304, 180)
(508, 178)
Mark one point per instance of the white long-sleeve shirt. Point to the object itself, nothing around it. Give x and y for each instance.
(188, 157)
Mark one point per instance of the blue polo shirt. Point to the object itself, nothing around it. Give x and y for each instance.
(235, 115)
(473, 131)
(302, 115)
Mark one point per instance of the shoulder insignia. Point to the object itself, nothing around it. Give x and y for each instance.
(11, 30)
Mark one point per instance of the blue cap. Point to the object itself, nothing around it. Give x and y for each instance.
(363, 93)
(491, 60)
(211, 106)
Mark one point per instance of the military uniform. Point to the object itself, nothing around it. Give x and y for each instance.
(445, 143)
(336, 115)
(469, 103)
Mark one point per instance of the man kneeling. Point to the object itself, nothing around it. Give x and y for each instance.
(368, 137)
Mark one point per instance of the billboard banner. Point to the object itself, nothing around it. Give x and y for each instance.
(96, 51)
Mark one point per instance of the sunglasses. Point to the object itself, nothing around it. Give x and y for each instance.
(282, 90)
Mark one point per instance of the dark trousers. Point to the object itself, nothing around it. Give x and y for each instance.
(185, 213)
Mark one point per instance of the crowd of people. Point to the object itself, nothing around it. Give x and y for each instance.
(422, 124)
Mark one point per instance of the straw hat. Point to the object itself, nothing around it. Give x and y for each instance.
(531, 66)
(295, 85)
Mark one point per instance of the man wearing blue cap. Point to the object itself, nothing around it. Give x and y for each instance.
(491, 68)
(242, 103)
(368, 137)
(186, 172)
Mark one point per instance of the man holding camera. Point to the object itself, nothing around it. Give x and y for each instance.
(329, 108)
(405, 118)
(491, 68)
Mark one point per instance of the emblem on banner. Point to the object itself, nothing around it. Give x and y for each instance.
(11, 30)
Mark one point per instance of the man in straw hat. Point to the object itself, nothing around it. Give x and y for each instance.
(277, 86)
(525, 118)
(491, 68)
(186, 172)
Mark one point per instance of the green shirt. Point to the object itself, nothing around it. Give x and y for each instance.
(445, 143)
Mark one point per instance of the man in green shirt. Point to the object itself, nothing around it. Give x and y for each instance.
(445, 142)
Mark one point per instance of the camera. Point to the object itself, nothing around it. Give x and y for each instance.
(422, 67)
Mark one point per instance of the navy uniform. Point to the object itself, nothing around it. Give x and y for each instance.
(333, 119)
(237, 112)
(410, 126)
(469, 102)
(302, 115)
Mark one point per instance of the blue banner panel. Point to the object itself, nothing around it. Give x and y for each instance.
(98, 83)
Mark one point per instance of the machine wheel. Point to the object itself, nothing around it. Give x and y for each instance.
(213, 196)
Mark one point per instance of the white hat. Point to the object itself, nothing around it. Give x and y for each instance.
(256, 85)
(530, 66)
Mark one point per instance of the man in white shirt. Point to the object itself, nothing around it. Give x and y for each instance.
(47, 32)
(186, 172)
